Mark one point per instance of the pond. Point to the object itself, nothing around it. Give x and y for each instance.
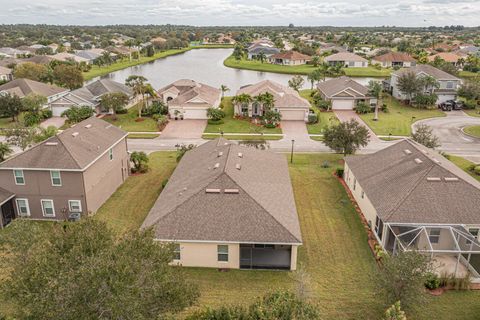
(202, 65)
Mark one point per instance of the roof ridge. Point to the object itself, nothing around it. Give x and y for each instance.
(69, 152)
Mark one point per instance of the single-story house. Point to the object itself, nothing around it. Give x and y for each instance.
(230, 207)
(65, 56)
(43, 59)
(188, 99)
(24, 87)
(254, 51)
(413, 198)
(347, 59)
(13, 53)
(449, 84)
(289, 58)
(394, 59)
(449, 57)
(286, 101)
(344, 93)
(91, 95)
(5, 74)
(74, 172)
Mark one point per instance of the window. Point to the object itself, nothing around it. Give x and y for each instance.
(110, 154)
(222, 253)
(19, 178)
(351, 63)
(264, 246)
(434, 235)
(75, 205)
(47, 208)
(23, 208)
(379, 227)
(449, 85)
(56, 178)
(176, 252)
(354, 183)
(363, 194)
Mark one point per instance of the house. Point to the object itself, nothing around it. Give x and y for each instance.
(74, 172)
(65, 56)
(24, 87)
(447, 82)
(13, 53)
(255, 51)
(289, 58)
(91, 95)
(344, 93)
(230, 207)
(43, 59)
(286, 101)
(87, 54)
(415, 199)
(5, 74)
(394, 59)
(447, 57)
(188, 99)
(347, 59)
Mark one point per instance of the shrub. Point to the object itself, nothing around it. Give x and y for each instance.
(323, 104)
(312, 118)
(156, 107)
(76, 114)
(470, 104)
(363, 108)
(339, 172)
(140, 162)
(271, 118)
(46, 113)
(31, 119)
(215, 114)
(162, 121)
(425, 100)
(210, 121)
(432, 282)
(384, 108)
(476, 170)
(122, 111)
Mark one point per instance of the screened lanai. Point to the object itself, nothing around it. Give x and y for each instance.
(453, 249)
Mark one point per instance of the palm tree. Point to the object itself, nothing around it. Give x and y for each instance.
(266, 100)
(137, 83)
(315, 76)
(262, 56)
(5, 150)
(315, 61)
(224, 89)
(375, 90)
(243, 100)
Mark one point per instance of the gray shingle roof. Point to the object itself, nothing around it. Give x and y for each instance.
(263, 210)
(345, 56)
(93, 91)
(335, 85)
(5, 195)
(428, 190)
(72, 149)
(189, 89)
(24, 87)
(427, 69)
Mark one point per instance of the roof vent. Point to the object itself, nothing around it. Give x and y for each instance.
(436, 160)
(433, 179)
(51, 143)
(449, 179)
(88, 126)
(220, 154)
(240, 155)
(231, 191)
(212, 190)
(216, 166)
(407, 151)
(418, 161)
(238, 166)
(74, 134)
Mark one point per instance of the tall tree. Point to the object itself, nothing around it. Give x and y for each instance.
(262, 56)
(346, 137)
(34, 102)
(114, 101)
(5, 151)
(224, 89)
(10, 105)
(32, 71)
(409, 84)
(137, 83)
(296, 83)
(424, 135)
(68, 76)
(375, 89)
(21, 136)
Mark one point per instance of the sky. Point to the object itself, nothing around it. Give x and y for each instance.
(409, 13)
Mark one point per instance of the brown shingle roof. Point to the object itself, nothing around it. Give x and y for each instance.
(402, 189)
(5, 195)
(447, 56)
(189, 89)
(73, 149)
(394, 57)
(291, 55)
(24, 87)
(263, 210)
(336, 85)
(345, 56)
(429, 70)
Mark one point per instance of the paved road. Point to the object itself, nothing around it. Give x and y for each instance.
(448, 130)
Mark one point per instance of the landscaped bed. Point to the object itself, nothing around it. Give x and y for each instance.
(131, 123)
(473, 131)
(325, 118)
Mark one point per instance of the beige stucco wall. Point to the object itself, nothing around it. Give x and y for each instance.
(293, 258)
(194, 254)
(105, 176)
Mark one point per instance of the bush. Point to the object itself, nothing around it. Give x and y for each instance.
(122, 111)
(215, 114)
(339, 172)
(46, 113)
(476, 170)
(31, 119)
(140, 162)
(384, 108)
(156, 107)
(162, 121)
(362, 108)
(210, 121)
(271, 118)
(425, 100)
(469, 104)
(312, 118)
(76, 114)
(323, 104)
(432, 282)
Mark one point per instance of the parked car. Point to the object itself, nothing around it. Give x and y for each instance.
(450, 105)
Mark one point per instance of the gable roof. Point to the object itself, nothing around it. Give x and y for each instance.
(65, 56)
(417, 186)
(447, 56)
(345, 56)
(24, 87)
(187, 90)
(5, 195)
(262, 210)
(73, 149)
(285, 97)
(394, 57)
(291, 55)
(260, 48)
(429, 70)
(43, 59)
(336, 85)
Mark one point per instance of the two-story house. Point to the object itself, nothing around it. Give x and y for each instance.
(74, 172)
(448, 84)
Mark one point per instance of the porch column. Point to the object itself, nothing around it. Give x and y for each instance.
(293, 258)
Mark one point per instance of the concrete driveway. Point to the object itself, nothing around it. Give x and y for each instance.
(184, 129)
(347, 115)
(294, 130)
(57, 122)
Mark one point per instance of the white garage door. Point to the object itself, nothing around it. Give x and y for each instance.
(445, 97)
(293, 114)
(57, 111)
(195, 114)
(342, 104)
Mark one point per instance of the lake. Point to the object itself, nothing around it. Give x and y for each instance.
(202, 65)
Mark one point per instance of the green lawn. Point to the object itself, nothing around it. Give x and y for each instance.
(7, 123)
(472, 112)
(233, 125)
(398, 119)
(242, 137)
(464, 164)
(473, 130)
(128, 121)
(324, 118)
(301, 69)
(143, 136)
(468, 74)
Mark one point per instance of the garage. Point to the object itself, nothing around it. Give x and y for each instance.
(195, 114)
(444, 97)
(343, 104)
(57, 111)
(293, 114)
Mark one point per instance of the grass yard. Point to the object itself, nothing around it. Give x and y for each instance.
(301, 69)
(127, 121)
(242, 137)
(473, 131)
(464, 164)
(7, 123)
(469, 74)
(472, 112)
(143, 136)
(398, 119)
(324, 118)
(232, 125)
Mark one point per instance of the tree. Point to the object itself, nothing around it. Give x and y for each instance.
(68, 76)
(99, 274)
(402, 277)
(34, 102)
(114, 101)
(182, 149)
(409, 84)
(32, 71)
(296, 83)
(137, 83)
(315, 76)
(224, 89)
(10, 106)
(21, 136)
(470, 90)
(140, 161)
(395, 312)
(76, 114)
(243, 100)
(45, 133)
(424, 135)
(215, 114)
(261, 56)
(375, 89)
(316, 61)
(5, 151)
(346, 137)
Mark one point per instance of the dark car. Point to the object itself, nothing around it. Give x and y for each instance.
(450, 105)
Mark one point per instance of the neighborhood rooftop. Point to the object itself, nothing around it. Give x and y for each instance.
(343, 83)
(24, 87)
(221, 191)
(395, 57)
(187, 89)
(428, 70)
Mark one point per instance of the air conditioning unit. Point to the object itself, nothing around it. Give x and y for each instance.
(74, 216)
